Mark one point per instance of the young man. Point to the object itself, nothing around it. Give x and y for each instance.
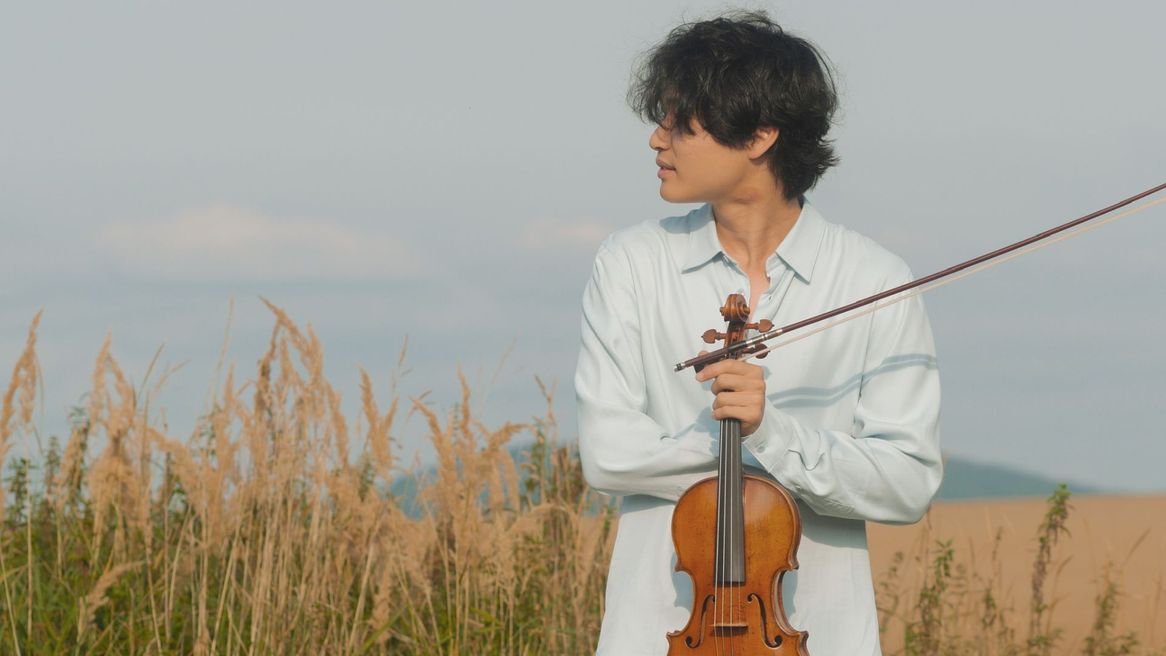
(846, 420)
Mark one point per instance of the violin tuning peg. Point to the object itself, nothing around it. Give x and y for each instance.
(761, 351)
(710, 336)
(765, 325)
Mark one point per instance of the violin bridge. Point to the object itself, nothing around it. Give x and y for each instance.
(728, 611)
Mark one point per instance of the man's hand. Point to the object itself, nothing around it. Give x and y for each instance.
(740, 390)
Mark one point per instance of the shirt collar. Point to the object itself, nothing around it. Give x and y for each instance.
(799, 248)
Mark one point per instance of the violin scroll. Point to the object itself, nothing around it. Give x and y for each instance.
(736, 312)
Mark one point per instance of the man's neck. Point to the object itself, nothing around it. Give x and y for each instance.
(751, 228)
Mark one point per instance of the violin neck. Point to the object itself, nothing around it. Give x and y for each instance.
(730, 565)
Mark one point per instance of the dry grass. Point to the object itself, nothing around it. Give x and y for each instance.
(266, 531)
(272, 528)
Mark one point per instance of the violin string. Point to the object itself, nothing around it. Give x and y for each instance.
(726, 557)
(734, 440)
(730, 616)
(739, 508)
(726, 533)
(950, 279)
(717, 554)
(722, 494)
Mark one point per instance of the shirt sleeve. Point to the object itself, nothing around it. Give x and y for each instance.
(623, 450)
(889, 467)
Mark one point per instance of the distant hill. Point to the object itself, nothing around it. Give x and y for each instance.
(963, 480)
(967, 479)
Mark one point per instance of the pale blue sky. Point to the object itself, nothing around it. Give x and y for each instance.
(446, 171)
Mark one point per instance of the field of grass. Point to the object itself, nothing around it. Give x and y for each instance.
(1080, 575)
(266, 531)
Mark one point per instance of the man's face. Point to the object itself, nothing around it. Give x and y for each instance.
(704, 170)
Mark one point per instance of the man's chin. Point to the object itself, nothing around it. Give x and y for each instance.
(672, 196)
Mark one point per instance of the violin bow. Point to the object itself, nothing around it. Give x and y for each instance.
(756, 347)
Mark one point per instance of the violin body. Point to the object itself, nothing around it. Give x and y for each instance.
(747, 618)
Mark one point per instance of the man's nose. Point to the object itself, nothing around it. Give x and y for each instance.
(658, 140)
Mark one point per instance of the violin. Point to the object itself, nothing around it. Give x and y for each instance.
(736, 535)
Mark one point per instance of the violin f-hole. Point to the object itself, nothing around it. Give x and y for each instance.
(700, 630)
(773, 642)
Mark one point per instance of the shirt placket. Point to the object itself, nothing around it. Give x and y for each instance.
(770, 302)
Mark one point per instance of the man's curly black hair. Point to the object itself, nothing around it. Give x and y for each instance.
(735, 74)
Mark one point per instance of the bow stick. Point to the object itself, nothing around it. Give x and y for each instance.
(755, 346)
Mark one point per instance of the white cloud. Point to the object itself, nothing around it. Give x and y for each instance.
(563, 235)
(221, 242)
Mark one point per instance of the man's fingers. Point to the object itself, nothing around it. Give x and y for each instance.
(728, 366)
(736, 400)
(746, 413)
(730, 383)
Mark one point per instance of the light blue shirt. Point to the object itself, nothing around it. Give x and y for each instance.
(851, 423)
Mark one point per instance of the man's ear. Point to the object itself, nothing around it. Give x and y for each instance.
(763, 139)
